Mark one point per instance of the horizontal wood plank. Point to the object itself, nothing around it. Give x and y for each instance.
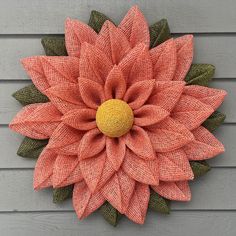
(175, 224)
(9, 106)
(213, 191)
(37, 17)
(219, 50)
(10, 141)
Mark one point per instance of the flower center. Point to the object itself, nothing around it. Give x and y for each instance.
(114, 118)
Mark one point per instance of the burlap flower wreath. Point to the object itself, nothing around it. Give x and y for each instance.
(118, 116)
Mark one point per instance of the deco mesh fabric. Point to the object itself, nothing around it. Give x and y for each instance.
(69, 169)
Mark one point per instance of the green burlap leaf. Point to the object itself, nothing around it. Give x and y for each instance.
(159, 33)
(110, 214)
(200, 74)
(158, 203)
(97, 20)
(31, 148)
(54, 46)
(63, 193)
(214, 121)
(199, 168)
(29, 95)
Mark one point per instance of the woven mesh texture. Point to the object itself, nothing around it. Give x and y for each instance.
(166, 134)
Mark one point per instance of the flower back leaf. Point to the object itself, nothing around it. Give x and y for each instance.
(199, 168)
(31, 148)
(54, 46)
(159, 33)
(29, 95)
(97, 20)
(158, 203)
(214, 121)
(200, 74)
(110, 214)
(63, 193)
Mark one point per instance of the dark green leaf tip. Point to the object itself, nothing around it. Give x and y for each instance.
(110, 214)
(63, 193)
(158, 203)
(31, 148)
(199, 168)
(214, 121)
(97, 19)
(159, 33)
(54, 46)
(200, 74)
(29, 95)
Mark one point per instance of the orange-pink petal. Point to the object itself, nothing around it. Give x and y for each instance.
(164, 60)
(65, 140)
(138, 93)
(210, 96)
(63, 167)
(204, 146)
(91, 169)
(91, 144)
(112, 41)
(174, 166)
(77, 33)
(65, 96)
(139, 142)
(118, 190)
(177, 191)
(91, 92)
(36, 121)
(74, 177)
(115, 149)
(184, 46)
(142, 171)
(149, 115)
(135, 27)
(115, 85)
(48, 71)
(85, 202)
(82, 119)
(169, 135)
(191, 112)
(94, 64)
(137, 65)
(166, 94)
(107, 174)
(44, 169)
(138, 206)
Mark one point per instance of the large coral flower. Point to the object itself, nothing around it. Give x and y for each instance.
(121, 119)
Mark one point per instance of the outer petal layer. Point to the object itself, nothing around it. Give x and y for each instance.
(44, 169)
(77, 33)
(142, 171)
(135, 27)
(210, 96)
(166, 94)
(137, 208)
(178, 191)
(84, 201)
(119, 190)
(169, 135)
(204, 146)
(112, 42)
(36, 121)
(164, 60)
(174, 166)
(190, 112)
(48, 71)
(184, 46)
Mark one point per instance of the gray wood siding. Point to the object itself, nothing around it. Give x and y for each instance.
(25, 212)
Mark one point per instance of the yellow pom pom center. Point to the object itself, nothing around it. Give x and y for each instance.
(114, 118)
